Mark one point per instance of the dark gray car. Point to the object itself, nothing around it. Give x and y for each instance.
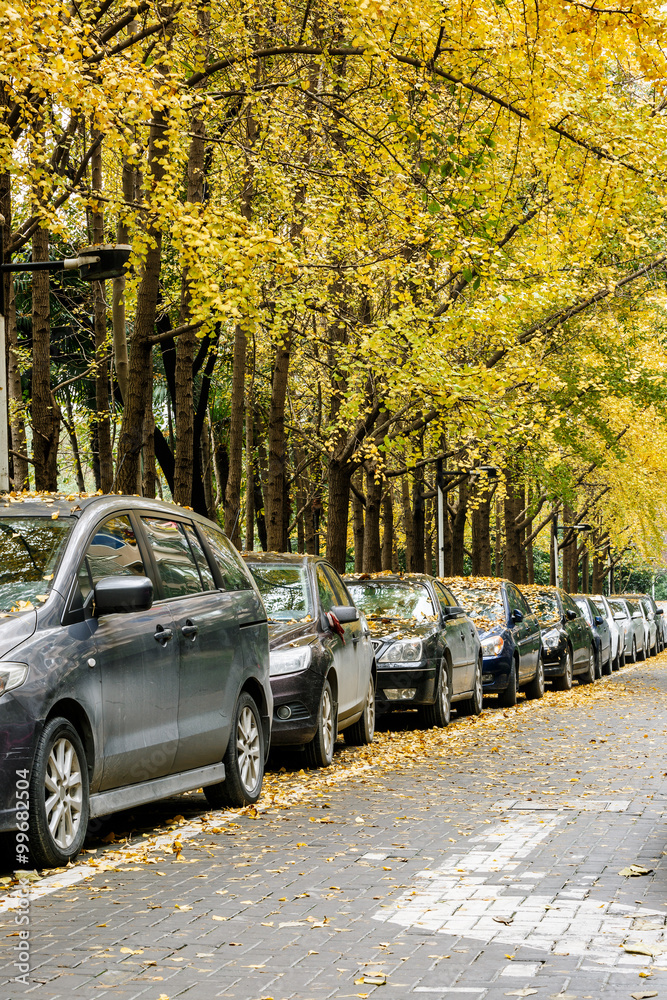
(133, 665)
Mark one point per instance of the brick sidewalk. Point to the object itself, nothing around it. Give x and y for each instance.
(487, 866)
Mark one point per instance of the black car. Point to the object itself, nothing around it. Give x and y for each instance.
(509, 632)
(567, 640)
(134, 665)
(322, 665)
(601, 633)
(426, 648)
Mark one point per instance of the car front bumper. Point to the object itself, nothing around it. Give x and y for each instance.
(301, 694)
(496, 673)
(406, 677)
(18, 735)
(554, 662)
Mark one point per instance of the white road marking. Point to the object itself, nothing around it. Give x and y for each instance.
(460, 898)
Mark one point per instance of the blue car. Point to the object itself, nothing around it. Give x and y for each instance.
(509, 633)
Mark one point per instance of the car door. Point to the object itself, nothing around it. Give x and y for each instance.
(580, 633)
(457, 628)
(359, 634)
(206, 634)
(533, 632)
(342, 647)
(137, 659)
(522, 631)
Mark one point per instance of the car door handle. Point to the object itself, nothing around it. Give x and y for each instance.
(189, 628)
(162, 634)
(463, 636)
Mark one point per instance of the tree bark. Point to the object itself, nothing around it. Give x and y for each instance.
(206, 464)
(275, 500)
(585, 571)
(339, 475)
(481, 537)
(497, 542)
(408, 526)
(249, 468)
(21, 467)
(428, 538)
(45, 412)
(372, 560)
(458, 530)
(358, 525)
(514, 501)
(102, 415)
(418, 519)
(388, 529)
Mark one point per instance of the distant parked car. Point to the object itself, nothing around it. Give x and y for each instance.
(135, 665)
(567, 641)
(597, 623)
(510, 635)
(630, 619)
(322, 664)
(615, 628)
(662, 606)
(652, 624)
(427, 649)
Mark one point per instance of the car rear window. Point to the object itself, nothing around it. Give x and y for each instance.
(392, 599)
(481, 600)
(31, 549)
(284, 590)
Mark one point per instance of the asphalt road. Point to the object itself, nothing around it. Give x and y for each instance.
(482, 861)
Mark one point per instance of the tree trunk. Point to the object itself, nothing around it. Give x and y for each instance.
(428, 538)
(388, 528)
(101, 348)
(358, 525)
(249, 469)
(372, 561)
(418, 519)
(570, 561)
(458, 530)
(70, 427)
(339, 475)
(585, 571)
(45, 413)
(206, 464)
(598, 575)
(514, 501)
(481, 538)
(275, 500)
(408, 526)
(15, 392)
(148, 472)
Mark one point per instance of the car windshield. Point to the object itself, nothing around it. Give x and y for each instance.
(545, 605)
(618, 606)
(583, 606)
(392, 599)
(482, 601)
(31, 548)
(284, 590)
(601, 608)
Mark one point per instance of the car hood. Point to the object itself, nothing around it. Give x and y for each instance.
(285, 633)
(16, 628)
(384, 633)
(496, 630)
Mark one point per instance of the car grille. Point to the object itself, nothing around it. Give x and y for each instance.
(299, 711)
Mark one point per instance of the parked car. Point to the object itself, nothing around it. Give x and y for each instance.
(427, 649)
(567, 641)
(630, 619)
(509, 633)
(600, 630)
(651, 614)
(322, 665)
(135, 665)
(662, 606)
(615, 628)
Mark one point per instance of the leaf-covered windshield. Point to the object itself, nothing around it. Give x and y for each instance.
(284, 590)
(481, 598)
(544, 603)
(617, 606)
(30, 549)
(392, 599)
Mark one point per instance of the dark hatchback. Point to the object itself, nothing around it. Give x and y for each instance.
(509, 633)
(567, 641)
(322, 665)
(426, 648)
(600, 630)
(134, 665)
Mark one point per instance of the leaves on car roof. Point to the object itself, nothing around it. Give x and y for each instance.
(480, 597)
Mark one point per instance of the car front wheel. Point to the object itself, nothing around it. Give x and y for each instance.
(59, 802)
(507, 698)
(319, 752)
(564, 682)
(440, 712)
(243, 760)
(589, 676)
(362, 731)
(536, 687)
(473, 705)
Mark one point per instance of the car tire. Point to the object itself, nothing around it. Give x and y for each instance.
(590, 674)
(362, 731)
(616, 662)
(243, 759)
(320, 750)
(564, 682)
(535, 689)
(440, 712)
(598, 664)
(609, 665)
(507, 698)
(633, 654)
(473, 705)
(59, 796)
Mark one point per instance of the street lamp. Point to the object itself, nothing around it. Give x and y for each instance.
(95, 263)
(441, 475)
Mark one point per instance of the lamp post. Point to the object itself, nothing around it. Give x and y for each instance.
(440, 477)
(95, 263)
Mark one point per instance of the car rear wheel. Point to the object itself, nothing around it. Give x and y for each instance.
(564, 682)
(535, 689)
(440, 712)
(507, 698)
(243, 760)
(59, 802)
(473, 705)
(589, 676)
(319, 752)
(633, 654)
(362, 731)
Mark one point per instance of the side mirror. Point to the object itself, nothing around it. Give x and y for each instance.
(517, 615)
(122, 594)
(570, 614)
(452, 612)
(619, 616)
(659, 611)
(599, 620)
(636, 614)
(346, 614)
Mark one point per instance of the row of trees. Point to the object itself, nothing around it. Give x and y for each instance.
(363, 237)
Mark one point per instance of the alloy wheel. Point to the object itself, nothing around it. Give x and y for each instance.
(370, 707)
(63, 786)
(327, 723)
(248, 746)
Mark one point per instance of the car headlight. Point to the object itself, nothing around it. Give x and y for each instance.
(289, 661)
(403, 651)
(12, 675)
(551, 641)
(492, 645)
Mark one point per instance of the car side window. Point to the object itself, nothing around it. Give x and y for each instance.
(112, 551)
(342, 597)
(570, 605)
(514, 599)
(175, 560)
(327, 596)
(200, 559)
(584, 611)
(524, 605)
(445, 598)
(234, 574)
